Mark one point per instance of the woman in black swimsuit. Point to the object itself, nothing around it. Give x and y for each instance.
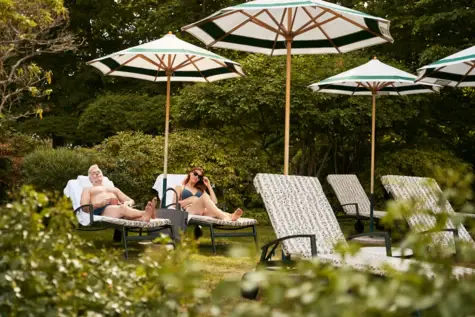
(198, 198)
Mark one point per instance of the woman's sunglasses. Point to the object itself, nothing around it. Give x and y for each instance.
(198, 175)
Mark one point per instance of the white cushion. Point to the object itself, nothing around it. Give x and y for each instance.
(173, 180)
(73, 190)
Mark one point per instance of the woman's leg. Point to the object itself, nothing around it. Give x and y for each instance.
(206, 207)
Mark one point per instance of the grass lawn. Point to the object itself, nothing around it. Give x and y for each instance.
(224, 264)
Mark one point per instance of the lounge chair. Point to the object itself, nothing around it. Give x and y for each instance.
(90, 222)
(426, 193)
(306, 227)
(204, 221)
(353, 200)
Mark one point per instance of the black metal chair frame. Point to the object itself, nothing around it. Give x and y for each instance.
(99, 225)
(213, 227)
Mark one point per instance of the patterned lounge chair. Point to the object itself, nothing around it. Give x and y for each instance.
(353, 200)
(426, 192)
(208, 222)
(89, 222)
(306, 227)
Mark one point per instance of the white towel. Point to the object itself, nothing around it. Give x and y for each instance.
(73, 191)
(172, 181)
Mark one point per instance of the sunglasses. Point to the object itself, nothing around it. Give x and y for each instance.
(198, 175)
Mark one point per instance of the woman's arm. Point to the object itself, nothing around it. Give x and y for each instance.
(177, 197)
(212, 195)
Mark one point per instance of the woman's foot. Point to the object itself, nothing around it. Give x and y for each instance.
(236, 214)
(154, 206)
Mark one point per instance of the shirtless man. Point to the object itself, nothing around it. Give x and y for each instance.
(112, 202)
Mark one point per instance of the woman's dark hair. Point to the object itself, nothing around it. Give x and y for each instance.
(200, 185)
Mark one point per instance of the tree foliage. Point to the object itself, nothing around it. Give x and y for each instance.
(111, 113)
(29, 29)
(133, 161)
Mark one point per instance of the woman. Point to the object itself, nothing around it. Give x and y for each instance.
(194, 198)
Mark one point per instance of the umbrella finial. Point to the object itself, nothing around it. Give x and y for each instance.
(374, 57)
(170, 32)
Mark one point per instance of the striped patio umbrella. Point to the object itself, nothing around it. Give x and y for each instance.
(372, 79)
(286, 27)
(168, 59)
(457, 70)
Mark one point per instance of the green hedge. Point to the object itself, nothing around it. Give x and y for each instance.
(133, 161)
(50, 169)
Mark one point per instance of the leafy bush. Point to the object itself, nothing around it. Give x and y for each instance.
(134, 160)
(13, 147)
(111, 113)
(50, 169)
(51, 271)
(411, 162)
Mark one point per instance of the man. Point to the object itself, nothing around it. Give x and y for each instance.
(112, 202)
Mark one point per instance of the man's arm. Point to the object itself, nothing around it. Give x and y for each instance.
(86, 196)
(123, 198)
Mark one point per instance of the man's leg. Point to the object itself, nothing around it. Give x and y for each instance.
(124, 211)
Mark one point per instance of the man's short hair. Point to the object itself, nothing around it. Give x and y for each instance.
(91, 168)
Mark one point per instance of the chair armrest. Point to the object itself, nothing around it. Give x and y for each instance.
(90, 207)
(177, 207)
(356, 206)
(387, 239)
(454, 231)
(265, 256)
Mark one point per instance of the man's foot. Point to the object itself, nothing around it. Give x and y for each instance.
(147, 213)
(236, 214)
(154, 206)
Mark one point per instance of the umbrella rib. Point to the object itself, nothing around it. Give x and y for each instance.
(280, 25)
(186, 63)
(260, 23)
(225, 66)
(197, 24)
(237, 27)
(321, 29)
(121, 65)
(319, 24)
(395, 88)
(312, 20)
(293, 21)
(466, 74)
(356, 88)
(358, 25)
(173, 61)
(149, 60)
(199, 71)
(427, 73)
(161, 62)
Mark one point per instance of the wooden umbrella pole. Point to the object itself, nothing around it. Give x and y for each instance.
(287, 107)
(287, 94)
(373, 132)
(165, 150)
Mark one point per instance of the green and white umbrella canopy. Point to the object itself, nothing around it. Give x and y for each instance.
(286, 27)
(373, 78)
(313, 26)
(169, 55)
(168, 59)
(457, 70)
